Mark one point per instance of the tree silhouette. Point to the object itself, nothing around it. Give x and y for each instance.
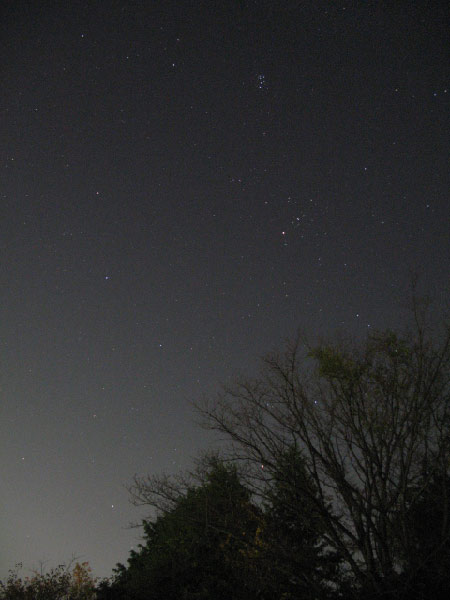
(292, 536)
(60, 583)
(196, 547)
(372, 424)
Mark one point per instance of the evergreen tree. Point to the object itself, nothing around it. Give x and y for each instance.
(197, 548)
(301, 564)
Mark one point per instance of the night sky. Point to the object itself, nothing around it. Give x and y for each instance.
(183, 184)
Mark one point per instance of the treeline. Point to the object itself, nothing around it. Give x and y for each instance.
(334, 484)
(215, 542)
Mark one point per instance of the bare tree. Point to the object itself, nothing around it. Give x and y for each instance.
(373, 427)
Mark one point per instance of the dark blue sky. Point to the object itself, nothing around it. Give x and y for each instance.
(183, 184)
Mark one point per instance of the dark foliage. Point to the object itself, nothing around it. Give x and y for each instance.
(301, 566)
(372, 424)
(198, 548)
